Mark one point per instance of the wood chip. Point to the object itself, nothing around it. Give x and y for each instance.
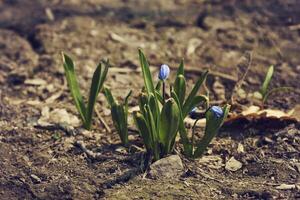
(286, 186)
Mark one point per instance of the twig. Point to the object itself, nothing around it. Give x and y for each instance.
(91, 154)
(294, 27)
(103, 121)
(241, 79)
(207, 176)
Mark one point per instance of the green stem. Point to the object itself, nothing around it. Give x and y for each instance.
(193, 134)
(164, 90)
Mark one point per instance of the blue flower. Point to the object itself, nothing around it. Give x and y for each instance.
(164, 72)
(217, 111)
(193, 113)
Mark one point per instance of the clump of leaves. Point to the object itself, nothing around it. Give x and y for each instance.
(119, 114)
(99, 76)
(160, 118)
(157, 124)
(187, 104)
(264, 91)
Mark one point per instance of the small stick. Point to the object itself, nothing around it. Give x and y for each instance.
(90, 153)
(103, 121)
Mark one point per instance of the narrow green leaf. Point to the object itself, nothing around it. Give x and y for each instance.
(152, 102)
(169, 122)
(127, 97)
(143, 130)
(120, 122)
(182, 130)
(74, 87)
(275, 90)
(180, 70)
(97, 83)
(159, 97)
(158, 86)
(187, 146)
(211, 129)
(193, 93)
(264, 88)
(109, 97)
(146, 73)
(179, 88)
(153, 131)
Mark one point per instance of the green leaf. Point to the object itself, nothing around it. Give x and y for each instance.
(120, 122)
(169, 122)
(211, 129)
(187, 147)
(158, 86)
(153, 131)
(154, 108)
(179, 88)
(109, 97)
(193, 93)
(159, 97)
(143, 100)
(144, 130)
(127, 97)
(97, 83)
(74, 87)
(275, 90)
(146, 73)
(266, 83)
(180, 70)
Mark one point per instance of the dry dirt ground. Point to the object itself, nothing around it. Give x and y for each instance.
(44, 162)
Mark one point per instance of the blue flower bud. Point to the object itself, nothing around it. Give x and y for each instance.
(193, 113)
(164, 72)
(217, 111)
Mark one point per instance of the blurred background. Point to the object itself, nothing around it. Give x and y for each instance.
(214, 34)
(228, 37)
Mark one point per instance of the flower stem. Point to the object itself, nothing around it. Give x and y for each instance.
(164, 90)
(193, 134)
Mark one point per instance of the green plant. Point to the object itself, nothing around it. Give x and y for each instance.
(85, 112)
(160, 119)
(186, 104)
(119, 114)
(215, 117)
(157, 123)
(264, 91)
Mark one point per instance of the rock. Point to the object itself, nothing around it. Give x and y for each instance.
(233, 165)
(169, 167)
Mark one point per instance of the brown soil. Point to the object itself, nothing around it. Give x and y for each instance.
(45, 162)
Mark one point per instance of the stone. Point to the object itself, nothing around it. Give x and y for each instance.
(168, 167)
